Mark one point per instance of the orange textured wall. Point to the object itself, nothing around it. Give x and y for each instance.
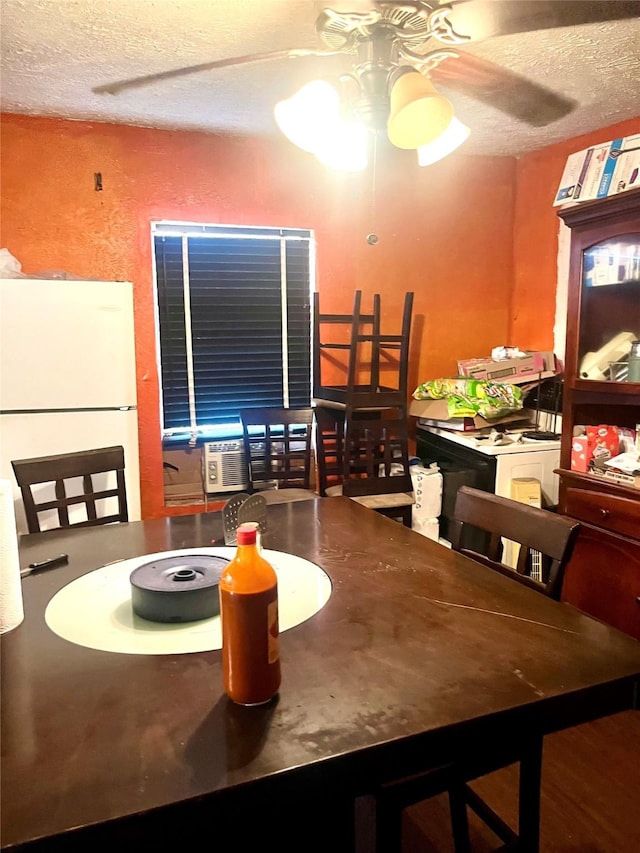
(445, 231)
(535, 236)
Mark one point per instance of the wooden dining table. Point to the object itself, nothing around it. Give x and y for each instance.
(419, 657)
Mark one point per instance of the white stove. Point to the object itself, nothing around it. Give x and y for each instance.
(467, 459)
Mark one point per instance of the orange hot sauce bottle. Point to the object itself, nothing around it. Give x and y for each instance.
(249, 613)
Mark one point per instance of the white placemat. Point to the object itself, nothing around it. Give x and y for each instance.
(95, 609)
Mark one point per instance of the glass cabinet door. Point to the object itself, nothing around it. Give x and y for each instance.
(610, 310)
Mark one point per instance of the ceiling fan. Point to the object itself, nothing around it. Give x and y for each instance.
(389, 41)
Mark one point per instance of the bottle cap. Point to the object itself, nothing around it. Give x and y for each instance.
(247, 533)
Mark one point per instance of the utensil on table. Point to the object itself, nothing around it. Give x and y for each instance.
(254, 509)
(230, 520)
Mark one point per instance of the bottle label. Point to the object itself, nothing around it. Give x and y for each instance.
(250, 648)
(273, 640)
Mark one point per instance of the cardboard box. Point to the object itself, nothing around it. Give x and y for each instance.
(427, 493)
(601, 170)
(428, 527)
(580, 453)
(436, 413)
(183, 473)
(573, 176)
(526, 490)
(626, 172)
(511, 370)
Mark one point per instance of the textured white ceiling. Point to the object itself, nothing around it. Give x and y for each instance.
(55, 51)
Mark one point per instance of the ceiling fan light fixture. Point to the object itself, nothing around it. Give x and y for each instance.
(305, 115)
(445, 144)
(312, 120)
(419, 113)
(345, 147)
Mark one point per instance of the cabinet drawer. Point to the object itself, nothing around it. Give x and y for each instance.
(610, 512)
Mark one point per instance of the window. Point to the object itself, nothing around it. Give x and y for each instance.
(233, 321)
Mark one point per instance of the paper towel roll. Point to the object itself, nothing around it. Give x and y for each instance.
(11, 609)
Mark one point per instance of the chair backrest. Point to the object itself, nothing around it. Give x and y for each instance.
(382, 359)
(337, 332)
(72, 476)
(329, 443)
(376, 455)
(546, 539)
(277, 446)
(375, 363)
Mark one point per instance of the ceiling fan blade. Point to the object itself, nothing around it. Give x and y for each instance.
(481, 19)
(503, 89)
(135, 82)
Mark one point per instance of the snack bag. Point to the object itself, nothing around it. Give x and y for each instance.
(604, 443)
(469, 397)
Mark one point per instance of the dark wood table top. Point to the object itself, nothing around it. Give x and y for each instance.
(419, 656)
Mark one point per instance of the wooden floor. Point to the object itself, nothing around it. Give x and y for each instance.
(590, 799)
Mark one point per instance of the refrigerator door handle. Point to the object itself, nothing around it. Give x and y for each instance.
(68, 411)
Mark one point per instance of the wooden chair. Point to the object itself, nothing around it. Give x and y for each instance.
(375, 465)
(78, 469)
(334, 347)
(278, 452)
(375, 366)
(373, 370)
(329, 442)
(546, 539)
(553, 537)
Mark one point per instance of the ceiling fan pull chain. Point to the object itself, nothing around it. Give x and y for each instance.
(372, 237)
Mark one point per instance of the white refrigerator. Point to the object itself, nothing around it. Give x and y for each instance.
(67, 376)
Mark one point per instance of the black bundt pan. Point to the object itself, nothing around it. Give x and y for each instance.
(182, 588)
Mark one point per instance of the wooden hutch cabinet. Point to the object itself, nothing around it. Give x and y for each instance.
(603, 318)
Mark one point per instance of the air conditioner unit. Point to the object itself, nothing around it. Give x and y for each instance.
(225, 469)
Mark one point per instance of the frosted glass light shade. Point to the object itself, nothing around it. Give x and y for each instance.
(445, 144)
(344, 147)
(304, 116)
(419, 114)
(312, 120)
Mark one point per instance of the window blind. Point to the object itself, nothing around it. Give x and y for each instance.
(234, 323)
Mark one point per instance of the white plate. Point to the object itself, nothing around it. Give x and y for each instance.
(95, 609)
